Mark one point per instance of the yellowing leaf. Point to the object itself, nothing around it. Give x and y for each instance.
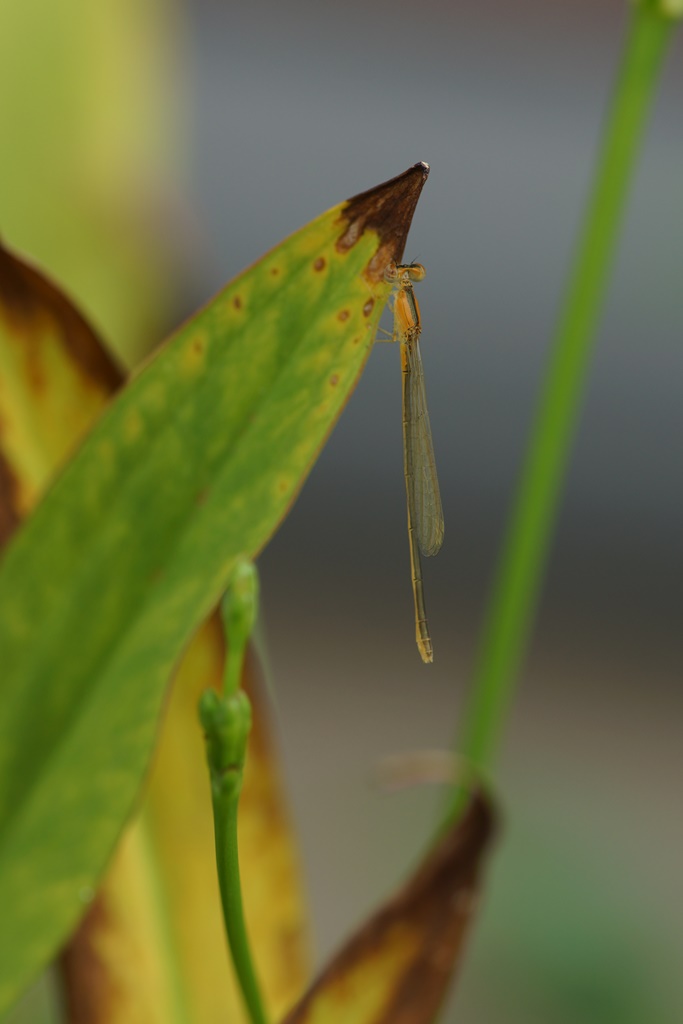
(396, 969)
(115, 968)
(181, 820)
(190, 468)
(55, 378)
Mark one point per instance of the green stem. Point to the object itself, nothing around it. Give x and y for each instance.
(227, 862)
(512, 607)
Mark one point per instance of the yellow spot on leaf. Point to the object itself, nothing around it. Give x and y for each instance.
(194, 355)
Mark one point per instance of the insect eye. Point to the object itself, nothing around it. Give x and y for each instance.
(391, 272)
(416, 272)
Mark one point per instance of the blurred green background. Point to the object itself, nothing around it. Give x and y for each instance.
(153, 149)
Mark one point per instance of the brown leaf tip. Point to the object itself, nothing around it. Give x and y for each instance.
(387, 209)
(429, 916)
(455, 862)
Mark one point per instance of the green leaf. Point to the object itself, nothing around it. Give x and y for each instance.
(192, 467)
(154, 934)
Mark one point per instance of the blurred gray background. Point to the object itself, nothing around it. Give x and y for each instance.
(295, 107)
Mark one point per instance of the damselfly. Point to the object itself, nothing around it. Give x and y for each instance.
(425, 514)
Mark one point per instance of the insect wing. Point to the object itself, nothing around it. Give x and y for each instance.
(423, 487)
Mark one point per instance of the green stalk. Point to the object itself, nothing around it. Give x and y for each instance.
(516, 589)
(226, 719)
(227, 863)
